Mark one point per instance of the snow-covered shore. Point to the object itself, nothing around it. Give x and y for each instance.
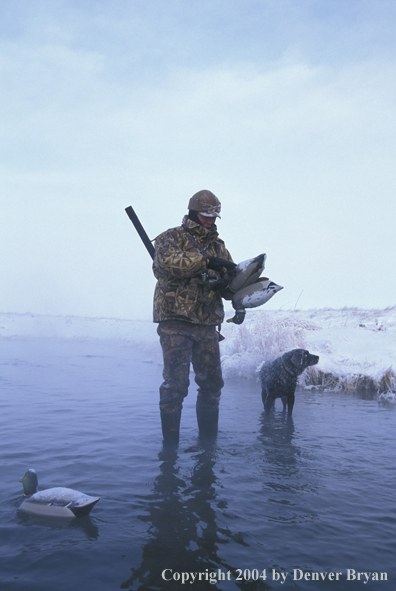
(357, 348)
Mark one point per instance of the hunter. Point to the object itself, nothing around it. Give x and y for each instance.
(192, 267)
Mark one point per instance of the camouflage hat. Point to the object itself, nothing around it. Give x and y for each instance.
(206, 203)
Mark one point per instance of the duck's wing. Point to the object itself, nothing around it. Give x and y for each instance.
(74, 500)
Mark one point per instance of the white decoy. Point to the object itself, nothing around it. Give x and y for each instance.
(247, 272)
(54, 502)
(248, 289)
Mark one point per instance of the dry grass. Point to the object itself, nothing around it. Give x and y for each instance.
(250, 345)
(329, 381)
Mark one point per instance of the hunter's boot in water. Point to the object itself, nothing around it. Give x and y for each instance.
(170, 422)
(208, 420)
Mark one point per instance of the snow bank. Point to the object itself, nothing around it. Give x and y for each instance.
(356, 347)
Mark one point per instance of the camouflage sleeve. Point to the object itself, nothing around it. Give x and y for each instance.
(223, 253)
(227, 256)
(173, 260)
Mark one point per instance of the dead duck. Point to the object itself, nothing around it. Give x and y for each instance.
(54, 502)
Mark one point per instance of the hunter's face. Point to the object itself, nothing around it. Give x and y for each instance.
(205, 221)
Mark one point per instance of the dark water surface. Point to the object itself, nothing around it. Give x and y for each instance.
(273, 497)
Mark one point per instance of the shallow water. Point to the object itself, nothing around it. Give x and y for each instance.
(291, 497)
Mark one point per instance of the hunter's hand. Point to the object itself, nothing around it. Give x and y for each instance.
(217, 264)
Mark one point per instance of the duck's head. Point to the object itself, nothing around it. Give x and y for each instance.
(30, 482)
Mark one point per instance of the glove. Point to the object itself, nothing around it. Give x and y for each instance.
(217, 264)
(218, 284)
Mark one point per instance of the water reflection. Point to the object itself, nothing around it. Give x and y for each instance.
(83, 524)
(277, 436)
(183, 533)
(286, 471)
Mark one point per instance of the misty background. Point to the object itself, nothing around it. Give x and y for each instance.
(285, 109)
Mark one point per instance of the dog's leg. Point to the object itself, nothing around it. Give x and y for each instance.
(290, 403)
(268, 404)
(264, 394)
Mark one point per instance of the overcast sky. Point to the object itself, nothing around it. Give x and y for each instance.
(285, 109)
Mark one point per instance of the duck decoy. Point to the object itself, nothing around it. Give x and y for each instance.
(247, 289)
(54, 502)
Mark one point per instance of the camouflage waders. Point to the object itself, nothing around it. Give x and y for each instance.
(184, 343)
(188, 312)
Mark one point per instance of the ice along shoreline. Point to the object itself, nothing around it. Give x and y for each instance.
(357, 347)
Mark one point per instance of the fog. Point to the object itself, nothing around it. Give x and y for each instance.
(286, 111)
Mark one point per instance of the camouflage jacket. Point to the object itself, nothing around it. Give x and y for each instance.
(180, 267)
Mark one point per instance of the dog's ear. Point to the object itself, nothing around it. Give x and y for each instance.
(298, 358)
(304, 358)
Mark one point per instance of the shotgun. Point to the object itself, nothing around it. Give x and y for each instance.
(140, 230)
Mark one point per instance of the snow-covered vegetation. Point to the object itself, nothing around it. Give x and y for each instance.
(357, 348)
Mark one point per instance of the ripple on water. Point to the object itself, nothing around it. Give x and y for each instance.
(315, 492)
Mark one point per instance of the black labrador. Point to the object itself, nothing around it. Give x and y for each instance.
(279, 377)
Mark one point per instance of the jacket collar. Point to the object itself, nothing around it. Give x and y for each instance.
(203, 235)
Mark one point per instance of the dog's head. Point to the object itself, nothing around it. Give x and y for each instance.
(298, 360)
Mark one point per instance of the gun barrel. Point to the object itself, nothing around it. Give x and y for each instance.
(140, 230)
